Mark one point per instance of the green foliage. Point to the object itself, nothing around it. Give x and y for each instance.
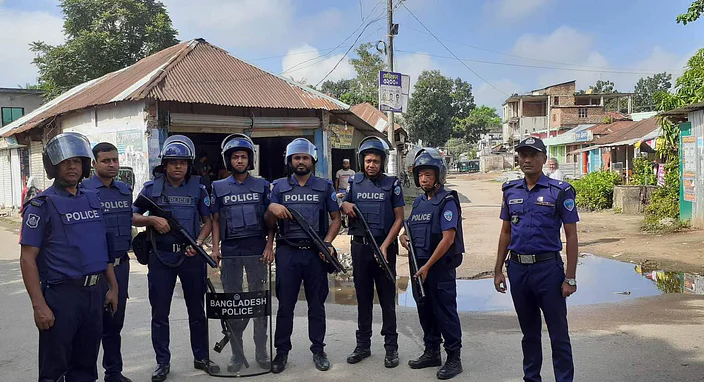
(645, 92)
(693, 13)
(665, 200)
(596, 190)
(430, 109)
(462, 99)
(643, 174)
(457, 146)
(479, 121)
(102, 37)
(365, 86)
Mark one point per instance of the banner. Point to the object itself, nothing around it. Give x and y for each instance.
(341, 136)
(393, 91)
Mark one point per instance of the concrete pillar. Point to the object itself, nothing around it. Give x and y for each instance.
(630, 105)
(320, 140)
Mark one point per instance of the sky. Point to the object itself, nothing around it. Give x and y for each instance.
(507, 46)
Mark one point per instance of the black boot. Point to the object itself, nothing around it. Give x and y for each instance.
(206, 365)
(321, 361)
(160, 373)
(358, 355)
(391, 359)
(452, 366)
(430, 358)
(262, 357)
(279, 363)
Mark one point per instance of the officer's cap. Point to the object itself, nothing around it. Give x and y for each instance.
(533, 143)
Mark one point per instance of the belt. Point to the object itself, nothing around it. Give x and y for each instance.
(300, 244)
(175, 248)
(363, 240)
(120, 260)
(532, 259)
(85, 281)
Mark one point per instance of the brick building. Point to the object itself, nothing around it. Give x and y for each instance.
(552, 110)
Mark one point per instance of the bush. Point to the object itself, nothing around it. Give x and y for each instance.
(665, 201)
(596, 190)
(643, 174)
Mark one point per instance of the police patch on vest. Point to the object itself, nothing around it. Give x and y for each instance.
(397, 190)
(514, 219)
(569, 204)
(447, 215)
(33, 221)
(333, 196)
(206, 201)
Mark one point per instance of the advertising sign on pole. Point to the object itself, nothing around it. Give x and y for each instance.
(393, 91)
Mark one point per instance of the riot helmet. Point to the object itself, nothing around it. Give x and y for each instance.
(178, 147)
(374, 145)
(300, 146)
(65, 146)
(430, 158)
(237, 142)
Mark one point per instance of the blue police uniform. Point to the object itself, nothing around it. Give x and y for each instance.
(297, 260)
(376, 199)
(438, 311)
(536, 216)
(243, 234)
(70, 264)
(116, 202)
(188, 203)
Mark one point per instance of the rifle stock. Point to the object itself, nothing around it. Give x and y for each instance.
(317, 241)
(228, 334)
(413, 263)
(378, 255)
(147, 204)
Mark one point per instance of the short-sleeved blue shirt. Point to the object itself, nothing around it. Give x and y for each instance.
(537, 215)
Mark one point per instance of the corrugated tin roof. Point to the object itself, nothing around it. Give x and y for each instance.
(372, 115)
(609, 128)
(685, 109)
(636, 131)
(191, 72)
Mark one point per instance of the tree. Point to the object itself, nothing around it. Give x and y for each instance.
(102, 37)
(457, 147)
(693, 13)
(430, 110)
(601, 87)
(462, 98)
(338, 88)
(367, 65)
(479, 121)
(644, 97)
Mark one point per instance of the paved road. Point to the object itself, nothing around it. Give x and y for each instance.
(654, 339)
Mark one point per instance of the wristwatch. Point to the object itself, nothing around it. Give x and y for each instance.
(571, 282)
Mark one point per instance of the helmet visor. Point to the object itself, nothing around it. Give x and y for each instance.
(68, 145)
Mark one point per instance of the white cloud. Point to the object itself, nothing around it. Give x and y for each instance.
(240, 23)
(513, 10)
(301, 65)
(485, 94)
(20, 28)
(413, 64)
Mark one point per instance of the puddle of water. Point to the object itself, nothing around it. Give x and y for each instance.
(600, 280)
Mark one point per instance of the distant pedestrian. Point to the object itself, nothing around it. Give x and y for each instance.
(554, 171)
(29, 191)
(533, 210)
(342, 177)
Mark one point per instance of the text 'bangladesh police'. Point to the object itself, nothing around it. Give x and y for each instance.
(238, 305)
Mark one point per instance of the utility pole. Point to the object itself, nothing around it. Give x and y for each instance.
(393, 166)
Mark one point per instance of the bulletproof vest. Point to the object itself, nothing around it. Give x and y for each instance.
(374, 201)
(117, 212)
(424, 224)
(82, 248)
(309, 201)
(182, 202)
(242, 207)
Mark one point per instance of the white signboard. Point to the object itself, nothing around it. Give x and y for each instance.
(393, 91)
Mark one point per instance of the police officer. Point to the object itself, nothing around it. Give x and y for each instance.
(175, 190)
(65, 260)
(380, 198)
(532, 211)
(116, 202)
(296, 258)
(436, 229)
(239, 204)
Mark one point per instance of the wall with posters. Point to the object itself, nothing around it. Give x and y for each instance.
(692, 168)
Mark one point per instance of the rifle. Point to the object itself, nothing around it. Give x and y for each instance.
(317, 241)
(228, 335)
(147, 204)
(413, 263)
(378, 255)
